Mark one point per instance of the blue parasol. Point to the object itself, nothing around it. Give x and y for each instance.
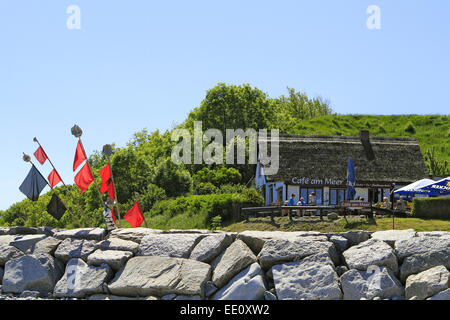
(351, 179)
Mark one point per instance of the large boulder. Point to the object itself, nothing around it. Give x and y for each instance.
(419, 245)
(391, 236)
(47, 246)
(312, 278)
(177, 245)
(25, 242)
(279, 251)
(233, 260)
(249, 284)
(113, 243)
(74, 248)
(255, 240)
(443, 295)
(1, 275)
(31, 272)
(96, 234)
(7, 253)
(210, 247)
(380, 283)
(422, 261)
(114, 258)
(371, 252)
(80, 279)
(159, 276)
(132, 234)
(427, 283)
(355, 237)
(340, 242)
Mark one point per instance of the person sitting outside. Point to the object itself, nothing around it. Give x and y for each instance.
(386, 203)
(301, 202)
(400, 205)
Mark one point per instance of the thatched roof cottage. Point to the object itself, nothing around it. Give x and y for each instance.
(319, 164)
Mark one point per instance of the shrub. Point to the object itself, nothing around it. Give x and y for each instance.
(410, 128)
(432, 208)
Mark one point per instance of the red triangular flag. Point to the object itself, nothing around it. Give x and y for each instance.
(104, 187)
(105, 173)
(84, 178)
(80, 156)
(54, 178)
(40, 155)
(134, 216)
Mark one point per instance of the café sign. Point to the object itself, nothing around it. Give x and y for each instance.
(319, 182)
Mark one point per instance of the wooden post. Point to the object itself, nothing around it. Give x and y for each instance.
(67, 188)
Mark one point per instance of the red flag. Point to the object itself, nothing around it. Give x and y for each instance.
(111, 192)
(80, 156)
(105, 173)
(134, 216)
(40, 155)
(84, 178)
(54, 178)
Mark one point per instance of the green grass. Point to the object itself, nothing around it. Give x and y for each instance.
(354, 223)
(430, 130)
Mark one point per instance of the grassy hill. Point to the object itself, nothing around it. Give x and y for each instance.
(432, 131)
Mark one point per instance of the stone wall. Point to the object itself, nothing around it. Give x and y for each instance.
(45, 263)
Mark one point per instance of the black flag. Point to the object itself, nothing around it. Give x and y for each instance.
(33, 184)
(56, 208)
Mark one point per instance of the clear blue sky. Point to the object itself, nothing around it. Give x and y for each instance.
(146, 64)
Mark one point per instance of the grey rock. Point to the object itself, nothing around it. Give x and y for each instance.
(381, 283)
(80, 280)
(391, 236)
(7, 253)
(25, 242)
(210, 247)
(306, 279)
(3, 231)
(47, 246)
(6, 239)
(1, 275)
(443, 295)
(113, 243)
(269, 296)
(114, 258)
(279, 251)
(133, 234)
(183, 297)
(247, 285)
(332, 216)
(355, 237)
(340, 270)
(427, 283)
(22, 230)
(420, 245)
(210, 288)
(74, 248)
(169, 296)
(420, 262)
(235, 258)
(30, 294)
(341, 243)
(175, 245)
(371, 252)
(96, 234)
(159, 276)
(31, 272)
(445, 234)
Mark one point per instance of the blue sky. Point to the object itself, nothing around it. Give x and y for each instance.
(146, 64)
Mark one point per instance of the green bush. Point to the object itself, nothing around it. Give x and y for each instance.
(432, 208)
(199, 211)
(410, 128)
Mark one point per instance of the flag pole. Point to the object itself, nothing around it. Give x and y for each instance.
(107, 150)
(136, 194)
(77, 132)
(67, 188)
(27, 158)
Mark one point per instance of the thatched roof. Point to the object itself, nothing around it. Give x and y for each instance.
(377, 159)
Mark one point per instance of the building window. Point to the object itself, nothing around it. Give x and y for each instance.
(305, 192)
(337, 196)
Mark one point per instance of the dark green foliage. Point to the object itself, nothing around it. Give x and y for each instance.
(410, 128)
(432, 208)
(436, 166)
